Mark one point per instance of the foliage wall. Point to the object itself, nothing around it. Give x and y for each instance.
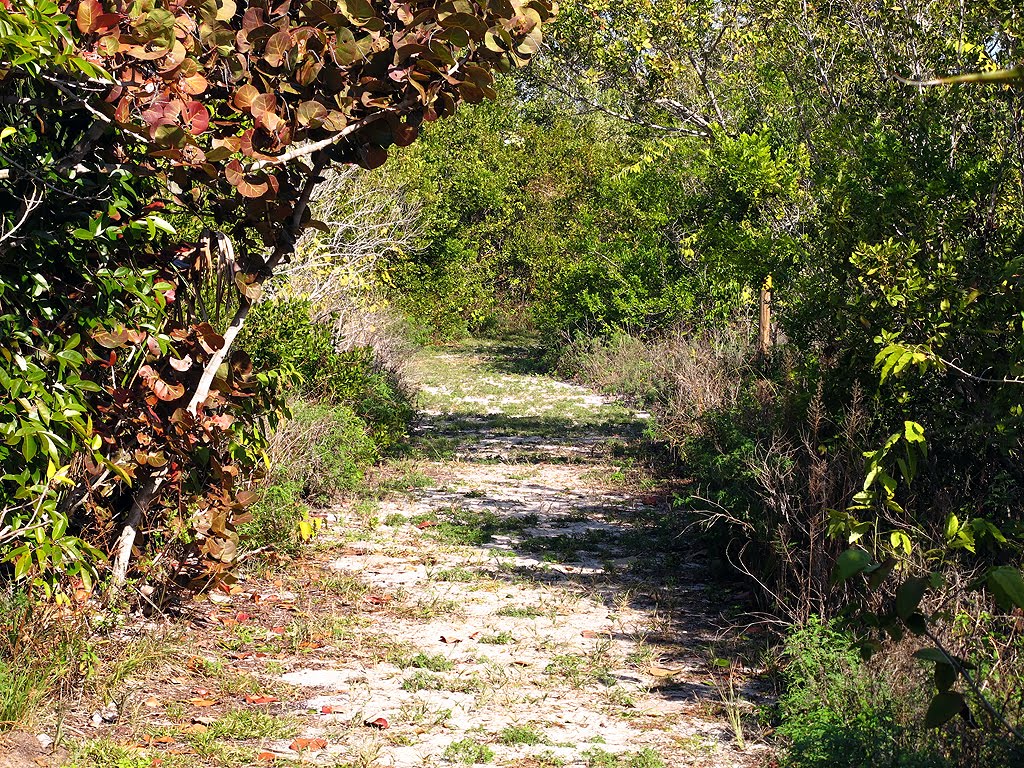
(157, 162)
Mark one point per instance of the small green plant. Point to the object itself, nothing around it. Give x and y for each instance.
(519, 612)
(107, 753)
(20, 691)
(456, 574)
(725, 684)
(435, 662)
(521, 734)
(419, 712)
(275, 518)
(645, 758)
(500, 638)
(242, 724)
(599, 758)
(619, 697)
(423, 680)
(468, 752)
(580, 671)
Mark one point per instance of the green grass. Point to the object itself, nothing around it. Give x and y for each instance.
(474, 528)
(580, 671)
(468, 752)
(242, 724)
(20, 691)
(521, 734)
(422, 680)
(456, 574)
(645, 758)
(500, 638)
(520, 612)
(106, 753)
(434, 663)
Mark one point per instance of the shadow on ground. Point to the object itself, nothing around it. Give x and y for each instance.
(551, 499)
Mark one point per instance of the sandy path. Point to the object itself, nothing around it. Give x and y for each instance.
(532, 612)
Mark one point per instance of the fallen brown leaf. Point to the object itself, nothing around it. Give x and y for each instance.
(450, 640)
(300, 744)
(378, 722)
(260, 699)
(657, 671)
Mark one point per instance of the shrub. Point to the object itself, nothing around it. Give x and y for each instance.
(44, 652)
(839, 711)
(323, 450)
(282, 333)
(618, 364)
(319, 453)
(836, 712)
(351, 407)
(275, 518)
(20, 691)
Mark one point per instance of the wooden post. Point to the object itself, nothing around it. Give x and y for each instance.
(764, 326)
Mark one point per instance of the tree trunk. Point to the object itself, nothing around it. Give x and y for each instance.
(764, 325)
(123, 548)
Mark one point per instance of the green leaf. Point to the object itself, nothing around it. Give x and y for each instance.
(945, 677)
(916, 623)
(943, 708)
(933, 654)
(1007, 586)
(900, 540)
(908, 596)
(881, 573)
(913, 432)
(22, 565)
(853, 560)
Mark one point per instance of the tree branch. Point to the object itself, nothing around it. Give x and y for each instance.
(316, 146)
(285, 246)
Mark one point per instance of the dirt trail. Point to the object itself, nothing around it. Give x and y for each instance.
(528, 606)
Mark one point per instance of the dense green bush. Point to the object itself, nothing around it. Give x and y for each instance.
(839, 711)
(347, 410)
(837, 714)
(282, 333)
(324, 450)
